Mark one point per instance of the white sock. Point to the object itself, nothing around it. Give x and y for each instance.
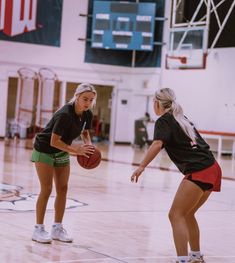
(183, 259)
(195, 254)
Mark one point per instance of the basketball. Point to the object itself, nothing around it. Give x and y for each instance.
(92, 162)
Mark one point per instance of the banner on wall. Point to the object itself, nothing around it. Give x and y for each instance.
(31, 21)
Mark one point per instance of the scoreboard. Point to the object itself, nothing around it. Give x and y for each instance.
(123, 25)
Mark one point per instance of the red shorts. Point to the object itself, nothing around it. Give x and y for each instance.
(211, 175)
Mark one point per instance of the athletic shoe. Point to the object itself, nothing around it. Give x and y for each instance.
(194, 260)
(60, 234)
(41, 235)
(197, 260)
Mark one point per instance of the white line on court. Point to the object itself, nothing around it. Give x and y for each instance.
(130, 258)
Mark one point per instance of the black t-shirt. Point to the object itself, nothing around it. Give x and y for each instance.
(65, 123)
(186, 156)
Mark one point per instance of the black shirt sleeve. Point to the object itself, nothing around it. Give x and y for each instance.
(162, 131)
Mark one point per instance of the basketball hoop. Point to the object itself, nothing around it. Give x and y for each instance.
(176, 62)
(27, 73)
(48, 99)
(183, 60)
(187, 48)
(25, 102)
(46, 73)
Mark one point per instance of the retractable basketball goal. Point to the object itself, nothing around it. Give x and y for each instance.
(48, 96)
(25, 102)
(189, 32)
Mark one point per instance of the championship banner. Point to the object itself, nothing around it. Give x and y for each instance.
(31, 21)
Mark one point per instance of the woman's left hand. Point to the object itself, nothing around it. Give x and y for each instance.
(137, 173)
(85, 150)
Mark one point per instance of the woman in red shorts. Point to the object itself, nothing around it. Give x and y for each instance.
(192, 155)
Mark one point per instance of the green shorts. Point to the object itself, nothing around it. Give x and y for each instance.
(52, 159)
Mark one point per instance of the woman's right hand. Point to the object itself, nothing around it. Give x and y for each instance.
(136, 174)
(85, 150)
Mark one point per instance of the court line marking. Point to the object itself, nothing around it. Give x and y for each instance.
(90, 249)
(131, 258)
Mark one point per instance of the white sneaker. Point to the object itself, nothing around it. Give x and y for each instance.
(60, 234)
(197, 260)
(41, 235)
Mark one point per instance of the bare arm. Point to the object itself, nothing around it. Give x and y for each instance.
(153, 150)
(71, 149)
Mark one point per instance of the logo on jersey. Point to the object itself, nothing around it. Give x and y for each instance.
(193, 145)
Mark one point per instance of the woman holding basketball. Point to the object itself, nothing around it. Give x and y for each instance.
(52, 148)
(191, 154)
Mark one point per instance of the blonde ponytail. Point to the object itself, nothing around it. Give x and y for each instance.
(167, 100)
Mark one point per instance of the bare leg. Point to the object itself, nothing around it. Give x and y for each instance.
(187, 197)
(45, 176)
(61, 178)
(193, 229)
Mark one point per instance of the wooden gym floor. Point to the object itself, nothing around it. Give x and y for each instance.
(110, 219)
